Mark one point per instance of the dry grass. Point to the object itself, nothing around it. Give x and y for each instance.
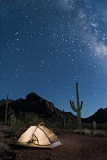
(97, 133)
(100, 133)
(76, 131)
(83, 131)
(87, 131)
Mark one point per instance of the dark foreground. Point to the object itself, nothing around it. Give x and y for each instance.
(74, 147)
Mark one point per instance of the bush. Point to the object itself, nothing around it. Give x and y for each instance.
(77, 131)
(83, 131)
(4, 147)
(100, 133)
(87, 131)
(1, 135)
(5, 129)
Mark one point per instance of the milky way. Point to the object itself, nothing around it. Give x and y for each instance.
(47, 46)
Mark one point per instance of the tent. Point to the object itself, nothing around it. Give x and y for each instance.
(39, 136)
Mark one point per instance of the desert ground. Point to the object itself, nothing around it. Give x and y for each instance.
(74, 147)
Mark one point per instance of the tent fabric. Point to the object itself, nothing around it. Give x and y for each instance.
(39, 136)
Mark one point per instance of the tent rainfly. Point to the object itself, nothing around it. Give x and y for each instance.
(39, 136)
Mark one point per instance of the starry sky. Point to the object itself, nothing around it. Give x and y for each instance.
(46, 46)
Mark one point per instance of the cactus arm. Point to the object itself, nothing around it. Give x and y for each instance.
(73, 106)
(80, 106)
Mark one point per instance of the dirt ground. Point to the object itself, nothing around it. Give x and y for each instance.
(74, 147)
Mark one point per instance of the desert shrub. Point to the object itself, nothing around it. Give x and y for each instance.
(19, 124)
(76, 131)
(84, 131)
(18, 134)
(4, 147)
(87, 125)
(5, 129)
(100, 133)
(31, 119)
(12, 120)
(28, 119)
(74, 126)
(6, 140)
(17, 131)
(1, 135)
(102, 126)
(87, 131)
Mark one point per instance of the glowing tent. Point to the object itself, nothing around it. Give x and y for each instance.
(39, 136)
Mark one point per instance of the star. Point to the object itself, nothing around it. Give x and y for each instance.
(47, 46)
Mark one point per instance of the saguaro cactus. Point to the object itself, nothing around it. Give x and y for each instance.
(63, 116)
(78, 109)
(94, 126)
(6, 109)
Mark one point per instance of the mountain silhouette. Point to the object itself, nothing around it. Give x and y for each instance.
(38, 105)
(100, 117)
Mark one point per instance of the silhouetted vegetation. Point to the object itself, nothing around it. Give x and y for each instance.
(17, 116)
(78, 108)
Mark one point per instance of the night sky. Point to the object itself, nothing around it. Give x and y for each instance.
(46, 46)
